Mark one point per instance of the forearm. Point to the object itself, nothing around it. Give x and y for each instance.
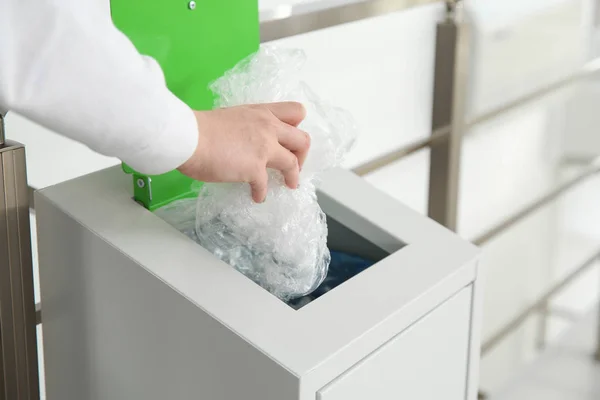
(84, 79)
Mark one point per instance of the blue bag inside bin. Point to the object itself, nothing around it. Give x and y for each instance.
(342, 267)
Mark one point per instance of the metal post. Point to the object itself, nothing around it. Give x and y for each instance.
(451, 60)
(2, 133)
(18, 344)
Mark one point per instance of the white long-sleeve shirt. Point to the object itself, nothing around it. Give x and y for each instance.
(64, 65)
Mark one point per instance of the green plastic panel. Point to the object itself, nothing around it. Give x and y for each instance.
(194, 42)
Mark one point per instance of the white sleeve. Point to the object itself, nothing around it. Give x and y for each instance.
(74, 72)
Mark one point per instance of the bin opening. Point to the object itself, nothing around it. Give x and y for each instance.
(351, 254)
(351, 251)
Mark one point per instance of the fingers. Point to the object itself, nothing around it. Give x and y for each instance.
(286, 162)
(259, 187)
(289, 154)
(290, 112)
(295, 140)
(282, 160)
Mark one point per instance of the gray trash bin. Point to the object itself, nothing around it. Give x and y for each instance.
(133, 309)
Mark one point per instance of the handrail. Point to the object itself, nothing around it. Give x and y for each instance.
(538, 304)
(589, 70)
(290, 20)
(591, 170)
(396, 155)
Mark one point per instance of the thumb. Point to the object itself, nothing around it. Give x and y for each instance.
(259, 187)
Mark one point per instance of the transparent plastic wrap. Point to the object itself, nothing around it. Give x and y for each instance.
(280, 244)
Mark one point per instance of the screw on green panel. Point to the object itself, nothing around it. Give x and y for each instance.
(194, 42)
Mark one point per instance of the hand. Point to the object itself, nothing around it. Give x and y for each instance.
(238, 144)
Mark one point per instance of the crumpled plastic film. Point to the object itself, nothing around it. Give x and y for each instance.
(280, 244)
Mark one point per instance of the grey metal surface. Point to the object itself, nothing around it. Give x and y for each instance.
(340, 238)
(19, 380)
(409, 366)
(2, 133)
(119, 272)
(108, 339)
(3, 393)
(450, 78)
(290, 20)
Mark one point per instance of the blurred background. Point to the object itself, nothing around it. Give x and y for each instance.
(528, 187)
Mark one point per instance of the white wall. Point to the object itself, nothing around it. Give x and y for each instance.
(52, 158)
(381, 70)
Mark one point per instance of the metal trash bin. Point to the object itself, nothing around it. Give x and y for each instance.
(133, 309)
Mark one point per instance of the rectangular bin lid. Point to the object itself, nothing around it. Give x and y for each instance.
(365, 310)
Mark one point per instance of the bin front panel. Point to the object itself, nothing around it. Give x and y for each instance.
(429, 360)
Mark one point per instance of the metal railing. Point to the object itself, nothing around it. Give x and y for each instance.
(539, 304)
(590, 70)
(18, 343)
(291, 20)
(590, 171)
(18, 374)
